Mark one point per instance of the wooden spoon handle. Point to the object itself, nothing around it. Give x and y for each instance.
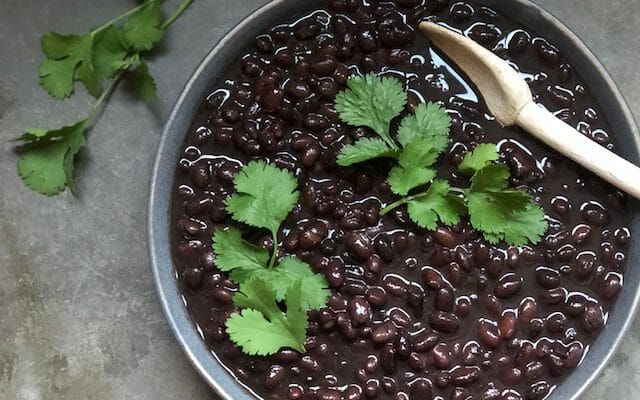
(568, 141)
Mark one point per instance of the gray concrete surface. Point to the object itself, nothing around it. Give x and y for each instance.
(79, 318)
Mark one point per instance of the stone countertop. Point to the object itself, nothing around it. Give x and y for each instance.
(79, 317)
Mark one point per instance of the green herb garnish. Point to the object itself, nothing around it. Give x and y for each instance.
(108, 53)
(264, 196)
(501, 213)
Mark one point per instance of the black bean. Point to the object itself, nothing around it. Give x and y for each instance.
(484, 33)
(518, 42)
(593, 318)
(595, 214)
(461, 12)
(432, 278)
(393, 31)
(445, 237)
(355, 287)
(584, 265)
(489, 333)
(223, 296)
(441, 356)
(394, 285)
(377, 296)
(622, 237)
(417, 361)
(553, 296)
(562, 97)
(533, 371)
(324, 66)
(316, 122)
(329, 394)
(574, 355)
(367, 40)
(359, 310)
(612, 285)
(359, 246)
(556, 322)
(548, 278)
(507, 325)
(372, 388)
(353, 392)
(528, 310)
(463, 376)
(400, 317)
(538, 390)
(445, 299)
(384, 247)
(444, 322)
(547, 52)
(307, 30)
(384, 332)
(425, 341)
(190, 251)
(276, 376)
(508, 286)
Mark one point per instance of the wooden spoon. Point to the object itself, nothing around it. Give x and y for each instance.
(509, 99)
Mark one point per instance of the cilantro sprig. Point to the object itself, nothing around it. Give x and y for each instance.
(500, 212)
(107, 54)
(264, 196)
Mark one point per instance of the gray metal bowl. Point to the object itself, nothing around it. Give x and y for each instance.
(522, 11)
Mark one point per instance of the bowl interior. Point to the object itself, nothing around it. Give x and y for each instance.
(229, 48)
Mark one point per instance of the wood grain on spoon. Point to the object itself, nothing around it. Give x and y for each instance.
(509, 99)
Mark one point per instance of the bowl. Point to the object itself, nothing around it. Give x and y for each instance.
(521, 11)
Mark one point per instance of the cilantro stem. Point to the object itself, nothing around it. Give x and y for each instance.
(400, 202)
(176, 14)
(97, 107)
(120, 17)
(416, 196)
(274, 253)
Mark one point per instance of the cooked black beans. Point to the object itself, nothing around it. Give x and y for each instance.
(413, 314)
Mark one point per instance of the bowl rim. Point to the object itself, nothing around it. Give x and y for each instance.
(189, 336)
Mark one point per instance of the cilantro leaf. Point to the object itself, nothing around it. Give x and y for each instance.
(429, 121)
(498, 219)
(402, 180)
(262, 315)
(265, 195)
(237, 256)
(436, 204)
(143, 29)
(373, 102)
(418, 153)
(291, 270)
(69, 58)
(364, 149)
(258, 295)
(491, 177)
(145, 84)
(109, 49)
(500, 212)
(483, 155)
(56, 77)
(244, 261)
(46, 161)
(250, 330)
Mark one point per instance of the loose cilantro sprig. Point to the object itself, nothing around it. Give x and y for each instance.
(106, 54)
(501, 213)
(264, 196)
